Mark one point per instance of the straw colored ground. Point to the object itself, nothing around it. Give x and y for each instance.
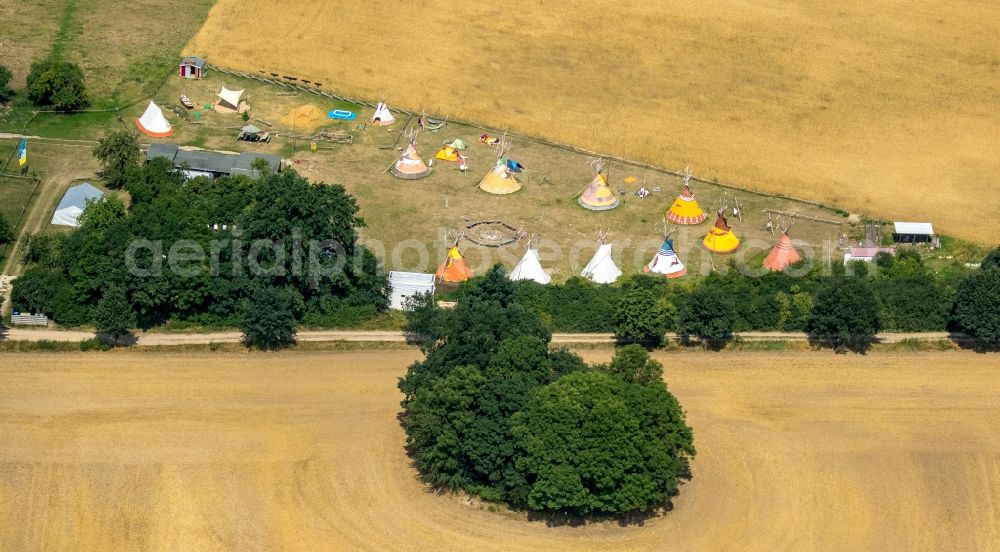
(888, 107)
(302, 451)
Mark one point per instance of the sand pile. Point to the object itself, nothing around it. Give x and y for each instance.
(305, 116)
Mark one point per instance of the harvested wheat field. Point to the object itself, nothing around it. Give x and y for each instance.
(302, 451)
(879, 107)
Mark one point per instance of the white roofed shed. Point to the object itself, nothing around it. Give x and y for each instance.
(912, 232)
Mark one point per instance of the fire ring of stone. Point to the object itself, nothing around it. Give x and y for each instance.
(492, 233)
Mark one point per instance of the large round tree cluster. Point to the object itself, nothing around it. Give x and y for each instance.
(494, 412)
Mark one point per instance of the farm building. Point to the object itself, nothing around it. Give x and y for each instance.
(408, 284)
(912, 232)
(72, 203)
(866, 254)
(192, 67)
(198, 162)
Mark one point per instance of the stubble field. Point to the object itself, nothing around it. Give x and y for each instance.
(886, 107)
(303, 451)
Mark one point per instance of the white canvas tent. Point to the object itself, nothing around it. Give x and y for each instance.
(408, 284)
(602, 268)
(230, 98)
(530, 268)
(154, 123)
(73, 201)
(382, 115)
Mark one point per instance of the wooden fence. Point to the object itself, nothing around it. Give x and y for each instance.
(29, 320)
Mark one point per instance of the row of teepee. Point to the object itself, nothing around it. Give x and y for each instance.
(602, 268)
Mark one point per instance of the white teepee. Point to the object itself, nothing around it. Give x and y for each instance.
(530, 268)
(602, 268)
(154, 123)
(382, 115)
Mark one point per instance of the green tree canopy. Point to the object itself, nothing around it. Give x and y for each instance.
(6, 94)
(57, 84)
(268, 320)
(632, 364)
(846, 313)
(594, 445)
(113, 315)
(100, 215)
(6, 232)
(193, 263)
(992, 260)
(639, 317)
(709, 313)
(117, 152)
(977, 305)
(471, 333)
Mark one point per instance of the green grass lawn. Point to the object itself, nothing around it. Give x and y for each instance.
(15, 194)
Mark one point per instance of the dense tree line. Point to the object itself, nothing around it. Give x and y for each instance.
(491, 410)
(216, 252)
(899, 294)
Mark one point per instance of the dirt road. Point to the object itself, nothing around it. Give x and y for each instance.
(171, 338)
(303, 451)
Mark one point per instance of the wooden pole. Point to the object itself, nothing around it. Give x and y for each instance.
(817, 219)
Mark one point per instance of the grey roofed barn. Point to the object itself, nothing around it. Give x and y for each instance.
(216, 162)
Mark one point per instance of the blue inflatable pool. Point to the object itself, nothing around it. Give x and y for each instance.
(341, 114)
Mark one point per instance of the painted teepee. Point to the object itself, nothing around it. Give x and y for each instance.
(153, 123)
(500, 180)
(530, 266)
(410, 166)
(666, 261)
(720, 237)
(602, 268)
(382, 115)
(685, 209)
(598, 196)
(454, 269)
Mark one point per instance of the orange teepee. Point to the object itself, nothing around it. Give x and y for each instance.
(454, 268)
(782, 254)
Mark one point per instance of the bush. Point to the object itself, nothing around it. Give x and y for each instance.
(43, 249)
(914, 302)
(113, 315)
(117, 152)
(268, 320)
(977, 305)
(639, 317)
(35, 290)
(992, 260)
(846, 313)
(709, 314)
(6, 94)
(6, 232)
(56, 84)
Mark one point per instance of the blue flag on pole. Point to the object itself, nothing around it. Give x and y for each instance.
(22, 152)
